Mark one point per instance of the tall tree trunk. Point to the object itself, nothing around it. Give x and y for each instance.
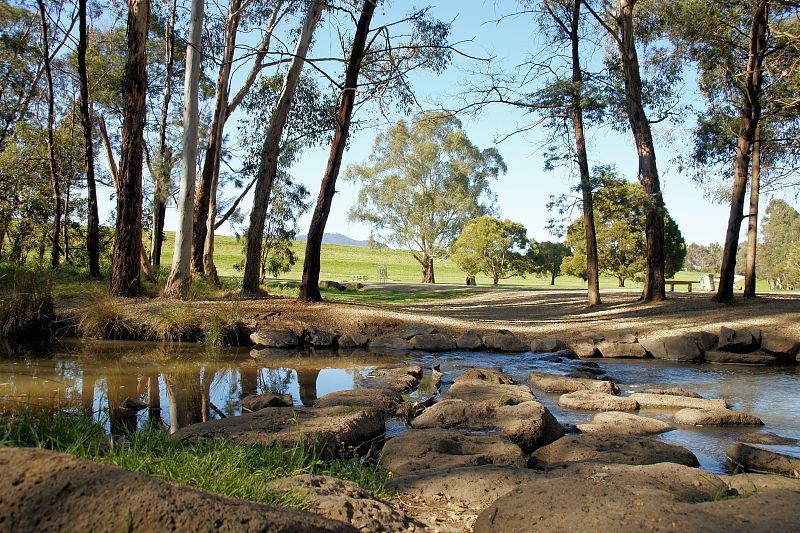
(180, 276)
(93, 218)
(51, 150)
(576, 109)
(128, 236)
(268, 164)
(309, 286)
(750, 113)
(66, 224)
(209, 267)
(214, 147)
(553, 279)
(752, 221)
(648, 172)
(162, 178)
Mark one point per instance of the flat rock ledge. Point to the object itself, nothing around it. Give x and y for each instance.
(562, 384)
(715, 417)
(387, 400)
(651, 498)
(588, 400)
(646, 400)
(503, 341)
(480, 391)
(328, 430)
(427, 450)
(492, 375)
(257, 402)
(347, 502)
(619, 423)
(48, 491)
(611, 449)
(746, 458)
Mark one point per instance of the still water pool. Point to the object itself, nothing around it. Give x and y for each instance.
(185, 384)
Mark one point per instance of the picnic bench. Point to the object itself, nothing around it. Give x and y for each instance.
(673, 282)
(359, 277)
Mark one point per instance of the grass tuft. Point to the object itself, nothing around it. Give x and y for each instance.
(232, 469)
(105, 317)
(26, 301)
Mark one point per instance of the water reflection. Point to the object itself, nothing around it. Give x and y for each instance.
(169, 387)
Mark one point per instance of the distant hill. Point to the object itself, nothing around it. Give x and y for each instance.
(335, 238)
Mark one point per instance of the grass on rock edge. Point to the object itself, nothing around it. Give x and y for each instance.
(236, 470)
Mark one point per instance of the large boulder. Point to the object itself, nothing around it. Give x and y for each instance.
(715, 417)
(504, 341)
(585, 347)
(432, 342)
(619, 423)
(327, 430)
(561, 384)
(389, 343)
(754, 358)
(745, 458)
(589, 400)
(47, 491)
(353, 339)
(486, 374)
(613, 449)
(400, 379)
(737, 341)
(780, 346)
(412, 331)
(527, 424)
(678, 402)
(469, 340)
(548, 345)
(622, 349)
(256, 402)
(347, 502)
(476, 390)
(425, 450)
(387, 400)
(275, 338)
(320, 338)
(682, 347)
(637, 502)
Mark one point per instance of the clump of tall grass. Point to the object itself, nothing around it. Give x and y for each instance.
(232, 469)
(222, 326)
(175, 323)
(26, 302)
(105, 317)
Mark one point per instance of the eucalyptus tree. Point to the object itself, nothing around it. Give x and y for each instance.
(180, 276)
(125, 279)
(268, 164)
(624, 24)
(424, 182)
(493, 247)
(383, 61)
(746, 54)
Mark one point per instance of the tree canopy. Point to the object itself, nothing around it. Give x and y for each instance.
(424, 181)
(493, 247)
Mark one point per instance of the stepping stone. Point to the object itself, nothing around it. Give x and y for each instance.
(400, 379)
(275, 339)
(674, 391)
(389, 343)
(327, 429)
(715, 417)
(425, 450)
(612, 349)
(353, 339)
(672, 401)
(479, 391)
(612, 449)
(486, 374)
(683, 347)
(619, 423)
(387, 400)
(48, 491)
(554, 383)
(527, 424)
(770, 439)
(755, 358)
(597, 401)
(470, 341)
(432, 342)
(256, 402)
(548, 345)
(744, 457)
(754, 483)
(504, 342)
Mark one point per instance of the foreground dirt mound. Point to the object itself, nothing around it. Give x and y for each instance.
(47, 491)
(655, 498)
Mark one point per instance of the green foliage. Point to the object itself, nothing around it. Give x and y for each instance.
(620, 213)
(546, 258)
(227, 468)
(703, 258)
(780, 231)
(493, 247)
(424, 182)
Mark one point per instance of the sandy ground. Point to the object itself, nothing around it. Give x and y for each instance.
(529, 313)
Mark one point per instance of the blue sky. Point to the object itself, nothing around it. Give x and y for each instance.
(524, 191)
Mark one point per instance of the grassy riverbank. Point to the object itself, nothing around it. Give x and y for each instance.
(231, 469)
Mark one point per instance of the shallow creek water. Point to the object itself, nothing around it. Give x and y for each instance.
(186, 384)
